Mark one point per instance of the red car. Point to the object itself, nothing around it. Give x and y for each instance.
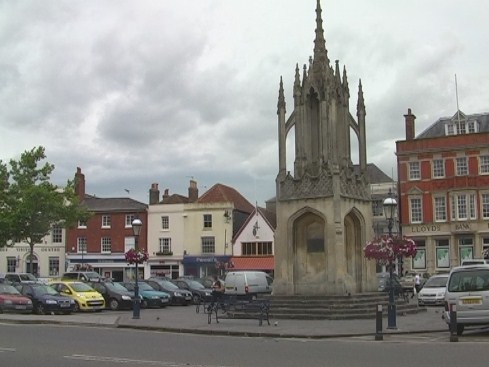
(12, 301)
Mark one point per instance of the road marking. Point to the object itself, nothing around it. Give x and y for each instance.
(7, 350)
(118, 360)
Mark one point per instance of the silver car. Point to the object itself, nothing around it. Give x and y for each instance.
(468, 290)
(433, 291)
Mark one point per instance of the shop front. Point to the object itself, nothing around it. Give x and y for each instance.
(202, 266)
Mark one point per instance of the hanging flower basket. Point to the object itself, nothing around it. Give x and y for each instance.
(386, 249)
(136, 257)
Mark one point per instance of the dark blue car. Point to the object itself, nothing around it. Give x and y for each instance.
(46, 299)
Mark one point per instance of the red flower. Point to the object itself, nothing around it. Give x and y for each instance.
(136, 257)
(385, 249)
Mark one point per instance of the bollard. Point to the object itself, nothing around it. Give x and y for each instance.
(453, 323)
(378, 324)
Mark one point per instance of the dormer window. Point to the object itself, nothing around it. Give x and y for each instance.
(459, 127)
(473, 127)
(449, 129)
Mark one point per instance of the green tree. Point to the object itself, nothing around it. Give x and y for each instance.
(31, 205)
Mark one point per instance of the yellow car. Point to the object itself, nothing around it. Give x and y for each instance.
(86, 298)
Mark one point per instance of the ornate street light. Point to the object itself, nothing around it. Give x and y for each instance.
(390, 206)
(136, 229)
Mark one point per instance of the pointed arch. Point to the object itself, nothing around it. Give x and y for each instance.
(308, 231)
(354, 224)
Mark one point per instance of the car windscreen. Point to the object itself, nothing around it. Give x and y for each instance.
(116, 287)
(44, 289)
(8, 289)
(193, 284)
(27, 277)
(436, 282)
(82, 287)
(167, 285)
(145, 287)
(469, 280)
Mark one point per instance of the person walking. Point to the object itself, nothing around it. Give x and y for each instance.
(417, 283)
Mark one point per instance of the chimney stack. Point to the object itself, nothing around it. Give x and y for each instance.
(166, 194)
(409, 118)
(193, 192)
(80, 184)
(154, 194)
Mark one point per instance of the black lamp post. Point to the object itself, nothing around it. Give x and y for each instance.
(136, 229)
(390, 206)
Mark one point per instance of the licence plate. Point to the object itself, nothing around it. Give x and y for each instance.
(472, 301)
(64, 305)
(20, 307)
(188, 297)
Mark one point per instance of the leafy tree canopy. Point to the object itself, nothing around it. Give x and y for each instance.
(30, 204)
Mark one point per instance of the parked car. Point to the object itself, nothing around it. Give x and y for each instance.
(12, 301)
(433, 291)
(20, 278)
(45, 299)
(86, 298)
(150, 297)
(409, 280)
(199, 292)
(116, 296)
(208, 281)
(248, 284)
(468, 289)
(178, 296)
(82, 276)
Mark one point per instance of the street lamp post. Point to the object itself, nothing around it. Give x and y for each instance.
(136, 229)
(390, 206)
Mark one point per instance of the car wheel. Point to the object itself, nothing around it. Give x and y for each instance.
(196, 299)
(114, 304)
(144, 304)
(40, 309)
(460, 329)
(76, 308)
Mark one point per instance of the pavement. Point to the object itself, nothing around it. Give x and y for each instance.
(181, 319)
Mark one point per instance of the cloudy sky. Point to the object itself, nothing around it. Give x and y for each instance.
(136, 92)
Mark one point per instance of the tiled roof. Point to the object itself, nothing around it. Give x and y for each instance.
(438, 128)
(376, 175)
(220, 193)
(96, 204)
(270, 216)
(175, 199)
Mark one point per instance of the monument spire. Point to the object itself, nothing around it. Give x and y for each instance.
(320, 52)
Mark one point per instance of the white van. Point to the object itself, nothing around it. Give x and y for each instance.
(248, 283)
(468, 289)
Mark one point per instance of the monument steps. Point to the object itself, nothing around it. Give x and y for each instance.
(356, 306)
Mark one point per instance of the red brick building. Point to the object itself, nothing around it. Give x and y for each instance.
(443, 176)
(101, 241)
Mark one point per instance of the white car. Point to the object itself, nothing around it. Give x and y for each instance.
(433, 291)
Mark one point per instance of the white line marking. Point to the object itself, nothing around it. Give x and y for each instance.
(7, 350)
(118, 360)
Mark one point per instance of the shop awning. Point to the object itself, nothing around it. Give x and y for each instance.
(253, 263)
